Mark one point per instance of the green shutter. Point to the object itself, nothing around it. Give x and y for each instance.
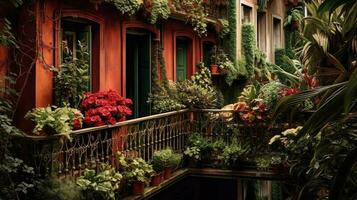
(181, 60)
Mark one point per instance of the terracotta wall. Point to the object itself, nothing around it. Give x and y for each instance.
(43, 36)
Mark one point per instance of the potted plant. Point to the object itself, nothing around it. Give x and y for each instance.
(159, 162)
(173, 162)
(263, 162)
(138, 173)
(55, 121)
(214, 60)
(101, 185)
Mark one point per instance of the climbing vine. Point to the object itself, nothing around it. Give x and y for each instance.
(160, 10)
(248, 46)
(129, 7)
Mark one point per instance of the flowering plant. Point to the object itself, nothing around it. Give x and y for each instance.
(102, 108)
(55, 120)
(251, 113)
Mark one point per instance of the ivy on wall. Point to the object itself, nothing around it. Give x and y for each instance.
(129, 7)
(160, 10)
(232, 29)
(248, 47)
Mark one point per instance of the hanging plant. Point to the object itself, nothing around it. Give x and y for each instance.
(129, 7)
(222, 27)
(160, 10)
(195, 13)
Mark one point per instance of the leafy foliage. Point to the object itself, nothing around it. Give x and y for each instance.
(101, 185)
(129, 7)
(195, 14)
(7, 37)
(233, 152)
(57, 121)
(134, 169)
(224, 27)
(270, 93)
(248, 46)
(17, 177)
(160, 10)
(58, 189)
(72, 80)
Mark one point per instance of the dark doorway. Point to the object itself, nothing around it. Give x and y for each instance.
(138, 75)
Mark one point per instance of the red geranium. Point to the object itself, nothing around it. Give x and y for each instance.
(103, 108)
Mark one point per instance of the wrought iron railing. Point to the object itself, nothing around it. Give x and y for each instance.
(51, 155)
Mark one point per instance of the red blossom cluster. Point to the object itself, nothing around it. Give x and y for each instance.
(251, 114)
(102, 108)
(289, 91)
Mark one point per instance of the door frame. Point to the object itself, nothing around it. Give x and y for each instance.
(133, 25)
(190, 56)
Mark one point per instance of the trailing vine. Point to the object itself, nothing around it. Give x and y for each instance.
(129, 7)
(160, 10)
(195, 14)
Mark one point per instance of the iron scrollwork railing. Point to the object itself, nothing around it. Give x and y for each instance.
(50, 155)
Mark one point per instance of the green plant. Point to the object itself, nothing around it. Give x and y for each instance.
(57, 121)
(160, 10)
(161, 159)
(193, 152)
(232, 20)
(7, 37)
(223, 25)
(72, 79)
(248, 46)
(129, 7)
(101, 185)
(54, 188)
(233, 152)
(269, 93)
(293, 15)
(175, 160)
(330, 40)
(138, 170)
(195, 13)
(263, 162)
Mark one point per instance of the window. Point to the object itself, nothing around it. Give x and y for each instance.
(246, 13)
(76, 43)
(207, 49)
(261, 31)
(276, 33)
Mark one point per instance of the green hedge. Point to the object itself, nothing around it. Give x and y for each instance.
(248, 47)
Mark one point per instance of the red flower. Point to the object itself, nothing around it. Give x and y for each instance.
(105, 108)
(112, 120)
(76, 124)
(289, 91)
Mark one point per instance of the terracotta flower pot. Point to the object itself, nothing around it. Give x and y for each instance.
(168, 172)
(156, 179)
(214, 69)
(138, 188)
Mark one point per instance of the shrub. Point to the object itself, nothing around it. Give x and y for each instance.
(270, 93)
(161, 159)
(105, 108)
(160, 10)
(129, 7)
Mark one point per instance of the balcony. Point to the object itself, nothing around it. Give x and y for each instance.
(90, 147)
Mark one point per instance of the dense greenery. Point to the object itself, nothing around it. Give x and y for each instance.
(129, 7)
(248, 46)
(72, 79)
(160, 10)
